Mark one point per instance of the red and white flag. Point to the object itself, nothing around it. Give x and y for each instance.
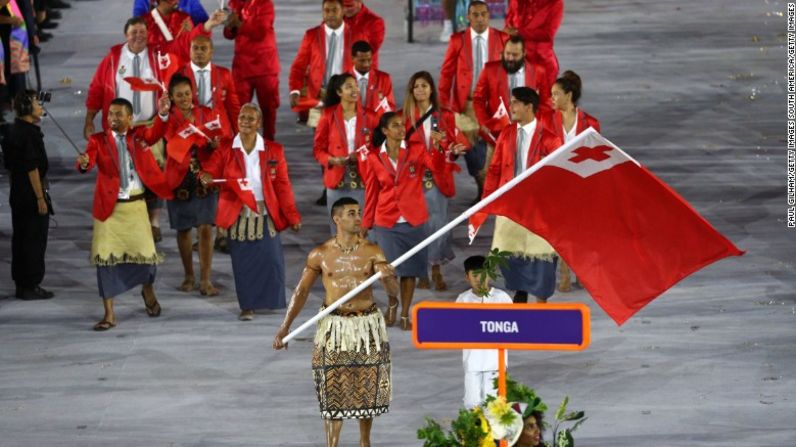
(498, 121)
(244, 191)
(144, 85)
(628, 236)
(213, 128)
(181, 143)
(383, 106)
(168, 64)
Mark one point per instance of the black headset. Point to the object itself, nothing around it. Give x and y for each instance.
(23, 104)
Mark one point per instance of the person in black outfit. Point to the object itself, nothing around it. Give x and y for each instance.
(25, 157)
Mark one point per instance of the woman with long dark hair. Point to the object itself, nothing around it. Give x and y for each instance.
(194, 204)
(342, 141)
(433, 128)
(394, 204)
(567, 120)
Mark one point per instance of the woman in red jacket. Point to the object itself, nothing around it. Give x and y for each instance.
(567, 121)
(434, 129)
(254, 173)
(193, 205)
(394, 204)
(342, 140)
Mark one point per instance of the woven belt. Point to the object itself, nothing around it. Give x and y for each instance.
(357, 313)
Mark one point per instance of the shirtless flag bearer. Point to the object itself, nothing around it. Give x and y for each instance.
(351, 358)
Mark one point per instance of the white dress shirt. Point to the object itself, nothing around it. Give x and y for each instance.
(520, 77)
(123, 90)
(135, 186)
(394, 166)
(207, 100)
(351, 133)
(572, 132)
(529, 130)
(252, 161)
(484, 49)
(337, 61)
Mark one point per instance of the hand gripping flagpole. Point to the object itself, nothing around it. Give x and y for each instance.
(461, 218)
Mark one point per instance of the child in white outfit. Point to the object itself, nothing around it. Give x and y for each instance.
(480, 365)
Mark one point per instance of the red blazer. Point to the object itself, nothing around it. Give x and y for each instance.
(102, 89)
(368, 26)
(390, 194)
(225, 96)
(501, 168)
(443, 176)
(379, 87)
(227, 162)
(537, 22)
(102, 152)
(256, 53)
(310, 64)
(493, 85)
(331, 141)
(456, 74)
(552, 121)
(182, 30)
(176, 171)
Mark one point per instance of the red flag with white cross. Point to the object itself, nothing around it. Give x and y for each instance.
(627, 235)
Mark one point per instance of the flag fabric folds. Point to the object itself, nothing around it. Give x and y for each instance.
(144, 85)
(627, 235)
(179, 146)
(244, 191)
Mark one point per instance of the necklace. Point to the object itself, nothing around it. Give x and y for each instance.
(348, 250)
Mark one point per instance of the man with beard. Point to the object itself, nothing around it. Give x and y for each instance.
(492, 94)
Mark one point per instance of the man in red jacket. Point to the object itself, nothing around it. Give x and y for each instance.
(171, 30)
(212, 84)
(468, 52)
(122, 247)
(532, 265)
(375, 86)
(255, 64)
(365, 25)
(537, 22)
(324, 51)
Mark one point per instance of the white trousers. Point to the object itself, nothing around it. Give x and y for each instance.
(478, 385)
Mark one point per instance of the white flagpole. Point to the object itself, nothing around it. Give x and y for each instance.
(461, 218)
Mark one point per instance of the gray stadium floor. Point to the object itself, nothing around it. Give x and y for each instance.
(694, 90)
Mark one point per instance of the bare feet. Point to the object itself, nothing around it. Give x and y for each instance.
(423, 283)
(188, 284)
(206, 288)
